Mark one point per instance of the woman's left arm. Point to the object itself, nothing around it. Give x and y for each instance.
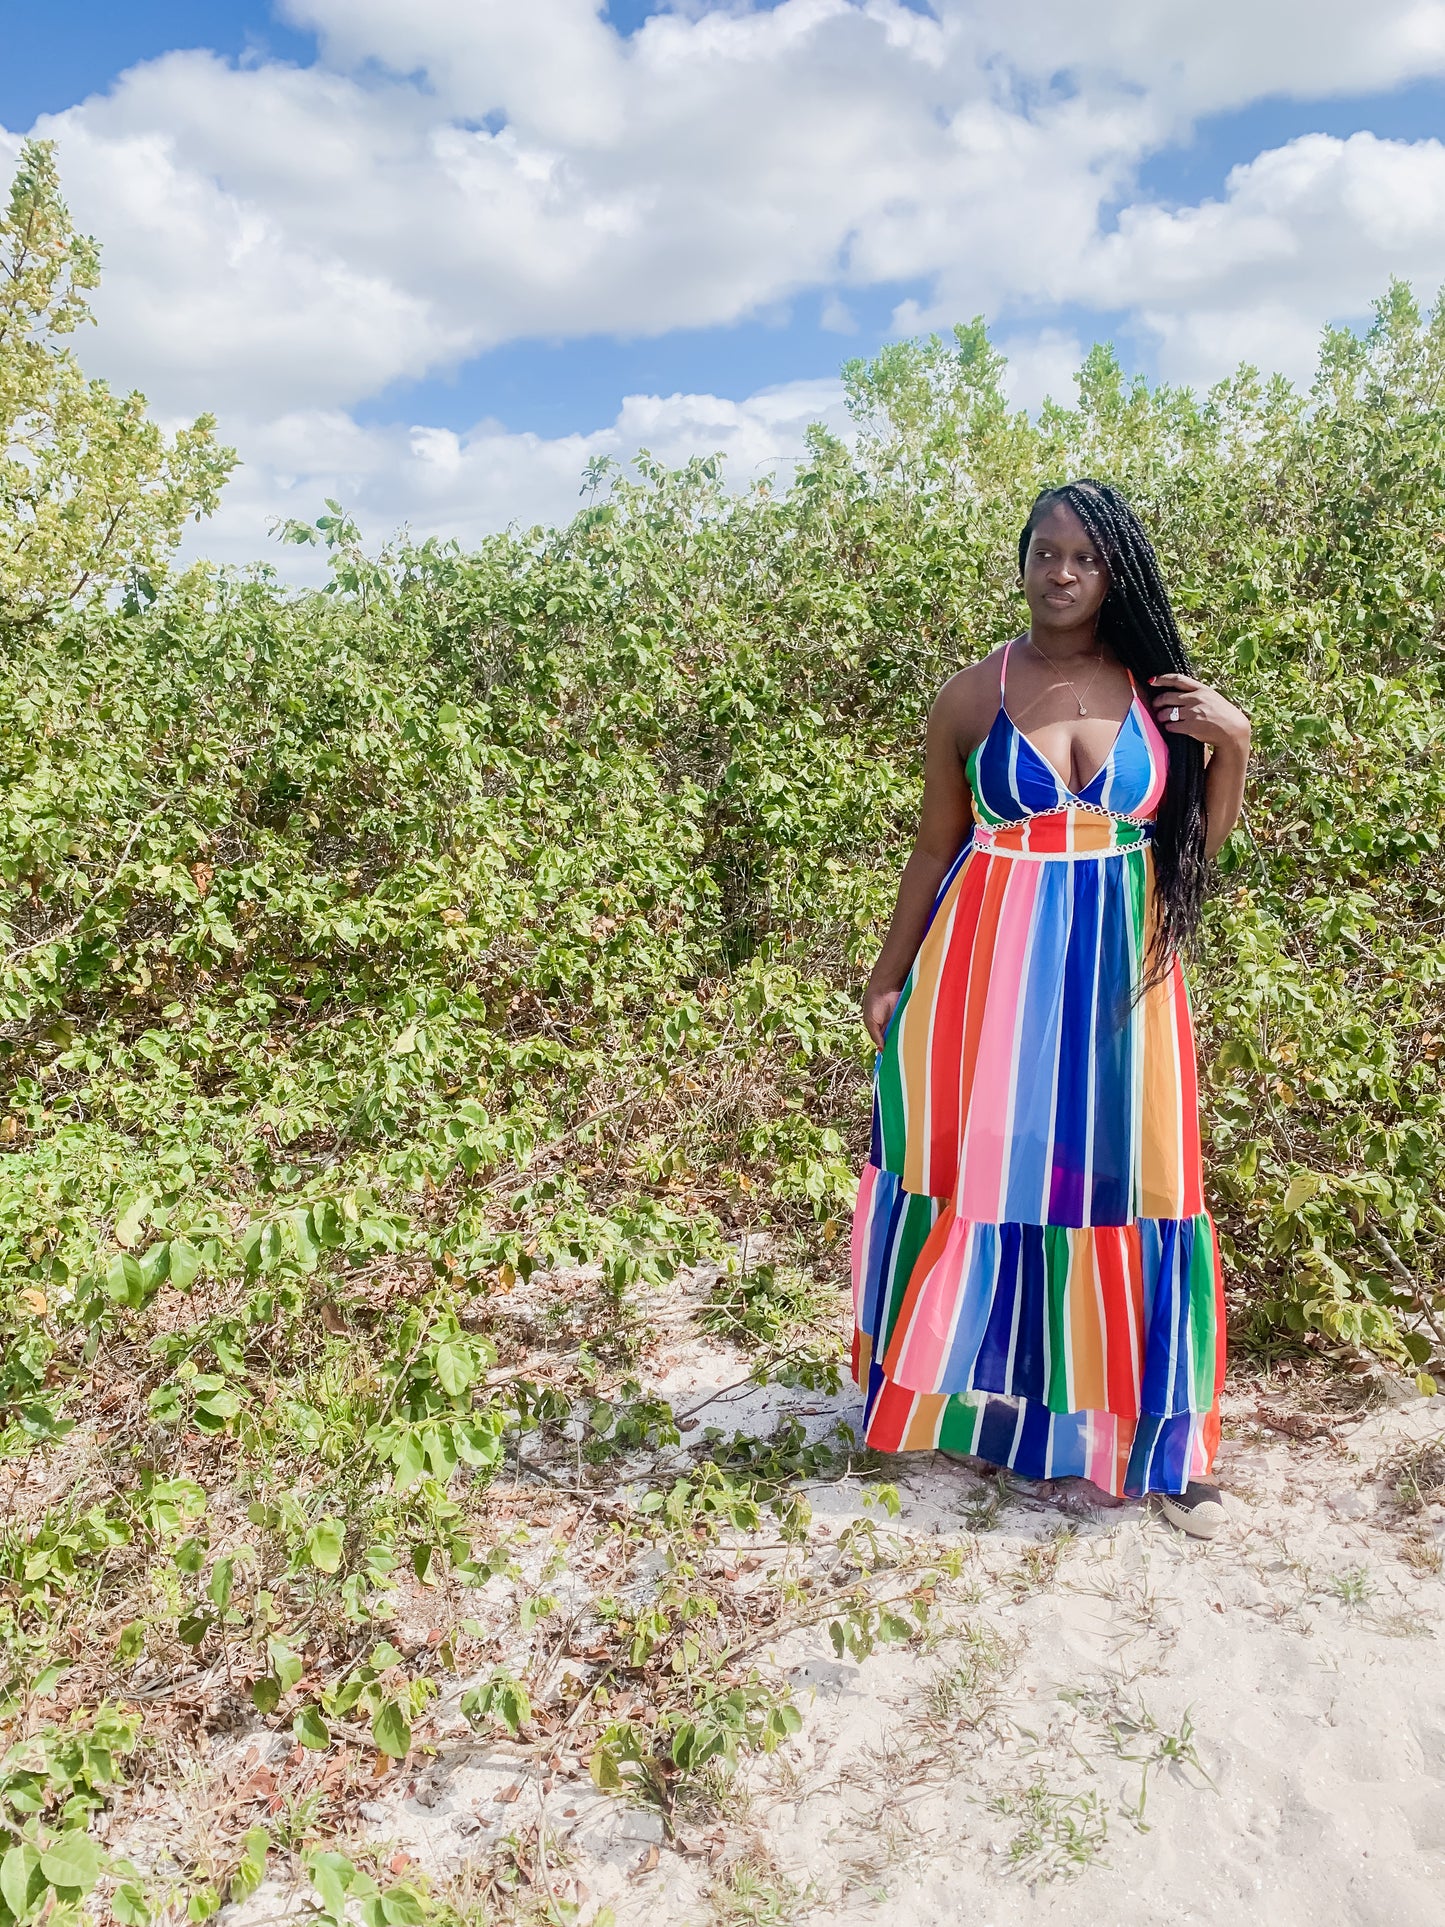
(1184, 707)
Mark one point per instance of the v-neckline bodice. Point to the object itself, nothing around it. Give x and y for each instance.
(1078, 795)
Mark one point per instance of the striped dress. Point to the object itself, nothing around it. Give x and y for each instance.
(1036, 1278)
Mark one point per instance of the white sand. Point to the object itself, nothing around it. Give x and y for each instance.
(1302, 1648)
(1299, 1657)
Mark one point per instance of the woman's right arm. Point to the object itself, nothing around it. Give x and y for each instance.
(944, 822)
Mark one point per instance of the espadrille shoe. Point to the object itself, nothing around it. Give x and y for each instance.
(1197, 1510)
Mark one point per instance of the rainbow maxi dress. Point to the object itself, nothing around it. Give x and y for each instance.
(1036, 1279)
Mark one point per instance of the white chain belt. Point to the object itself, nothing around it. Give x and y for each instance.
(1061, 856)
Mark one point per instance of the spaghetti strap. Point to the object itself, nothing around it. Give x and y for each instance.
(1003, 671)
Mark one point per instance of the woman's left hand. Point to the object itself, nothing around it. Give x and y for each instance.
(1184, 707)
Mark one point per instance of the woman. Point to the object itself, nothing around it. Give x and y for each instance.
(1036, 1277)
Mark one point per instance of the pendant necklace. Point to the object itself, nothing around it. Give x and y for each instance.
(1098, 665)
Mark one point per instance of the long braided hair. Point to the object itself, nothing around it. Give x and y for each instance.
(1137, 625)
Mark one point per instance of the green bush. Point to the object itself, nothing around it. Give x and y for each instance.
(512, 905)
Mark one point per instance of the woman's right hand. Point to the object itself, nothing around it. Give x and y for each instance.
(878, 1008)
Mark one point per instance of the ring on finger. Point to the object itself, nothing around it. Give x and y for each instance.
(1174, 713)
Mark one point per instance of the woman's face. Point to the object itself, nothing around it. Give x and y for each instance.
(1065, 577)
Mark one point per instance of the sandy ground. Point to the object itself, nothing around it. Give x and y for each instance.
(1106, 1722)
(1298, 1660)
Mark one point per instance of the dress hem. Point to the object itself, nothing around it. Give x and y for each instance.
(1126, 1458)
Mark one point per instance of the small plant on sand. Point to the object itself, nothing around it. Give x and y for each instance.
(1039, 1561)
(983, 1508)
(1354, 1587)
(1418, 1475)
(51, 1785)
(753, 1891)
(523, 1882)
(963, 1693)
(1059, 1834)
(768, 1305)
(1423, 1553)
(671, 1762)
(1135, 1735)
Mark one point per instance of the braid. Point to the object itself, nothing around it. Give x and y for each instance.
(1137, 624)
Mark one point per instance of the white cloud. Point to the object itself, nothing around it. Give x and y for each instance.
(281, 243)
(1041, 368)
(551, 63)
(1195, 60)
(1307, 232)
(278, 237)
(464, 485)
(1328, 217)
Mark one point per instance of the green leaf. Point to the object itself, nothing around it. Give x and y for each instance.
(477, 1443)
(303, 1234)
(251, 1868)
(73, 1864)
(155, 1266)
(220, 1583)
(166, 1404)
(311, 1730)
(402, 1906)
(455, 1367)
(1302, 1188)
(325, 1543)
(391, 1732)
(192, 1627)
(514, 1705)
(21, 1881)
(285, 1663)
(327, 1227)
(342, 1700)
(133, 1214)
(131, 1642)
(128, 1904)
(185, 1262)
(502, 1697)
(332, 1875)
(190, 1556)
(221, 1406)
(409, 1462)
(123, 1280)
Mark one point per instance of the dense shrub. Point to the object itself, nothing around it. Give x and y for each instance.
(517, 901)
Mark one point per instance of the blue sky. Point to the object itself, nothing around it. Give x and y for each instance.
(58, 52)
(446, 321)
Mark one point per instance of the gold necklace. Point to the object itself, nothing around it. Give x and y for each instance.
(1069, 679)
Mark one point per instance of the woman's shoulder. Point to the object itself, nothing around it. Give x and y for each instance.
(970, 697)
